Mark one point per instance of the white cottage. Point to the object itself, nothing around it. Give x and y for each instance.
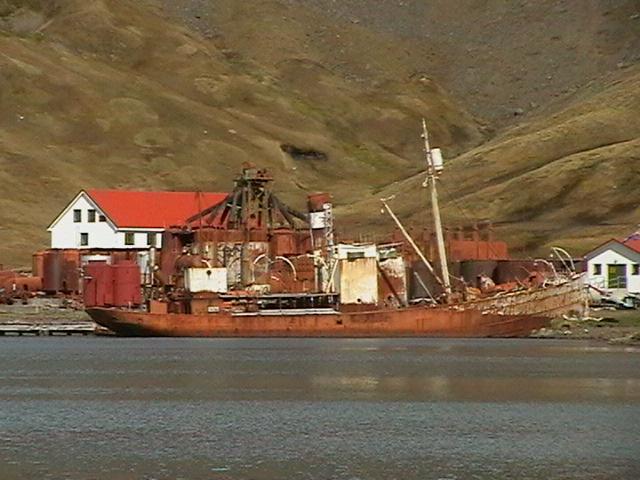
(124, 219)
(615, 266)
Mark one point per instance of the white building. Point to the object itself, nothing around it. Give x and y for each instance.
(123, 219)
(614, 266)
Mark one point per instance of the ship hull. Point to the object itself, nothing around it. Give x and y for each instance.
(510, 315)
(422, 322)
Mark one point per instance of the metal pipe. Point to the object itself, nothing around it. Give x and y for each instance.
(561, 251)
(293, 268)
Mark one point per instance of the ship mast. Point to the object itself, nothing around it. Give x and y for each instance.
(432, 176)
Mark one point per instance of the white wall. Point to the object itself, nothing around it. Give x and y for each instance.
(357, 279)
(139, 238)
(613, 256)
(65, 233)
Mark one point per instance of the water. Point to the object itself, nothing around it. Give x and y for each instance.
(106, 408)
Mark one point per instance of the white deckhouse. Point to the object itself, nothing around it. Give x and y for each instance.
(123, 219)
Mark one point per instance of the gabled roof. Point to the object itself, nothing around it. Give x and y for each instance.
(633, 242)
(630, 245)
(137, 209)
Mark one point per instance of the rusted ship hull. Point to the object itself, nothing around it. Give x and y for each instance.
(511, 315)
(398, 323)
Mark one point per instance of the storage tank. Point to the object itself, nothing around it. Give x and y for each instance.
(321, 220)
(70, 270)
(126, 284)
(37, 264)
(98, 284)
(52, 275)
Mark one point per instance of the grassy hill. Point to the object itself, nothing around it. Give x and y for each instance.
(568, 179)
(176, 95)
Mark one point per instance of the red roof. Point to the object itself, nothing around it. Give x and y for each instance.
(633, 243)
(152, 209)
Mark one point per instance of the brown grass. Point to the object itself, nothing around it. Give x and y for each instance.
(123, 94)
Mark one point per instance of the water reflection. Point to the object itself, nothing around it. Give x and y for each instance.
(344, 409)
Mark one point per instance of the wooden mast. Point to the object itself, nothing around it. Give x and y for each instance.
(431, 182)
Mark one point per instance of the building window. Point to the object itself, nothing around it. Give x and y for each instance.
(597, 269)
(635, 269)
(91, 216)
(77, 215)
(129, 238)
(151, 239)
(102, 218)
(84, 239)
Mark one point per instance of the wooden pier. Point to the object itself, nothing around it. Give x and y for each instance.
(47, 329)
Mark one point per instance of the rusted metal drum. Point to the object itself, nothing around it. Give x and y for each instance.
(71, 271)
(52, 271)
(37, 264)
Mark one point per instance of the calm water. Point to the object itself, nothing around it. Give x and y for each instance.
(103, 408)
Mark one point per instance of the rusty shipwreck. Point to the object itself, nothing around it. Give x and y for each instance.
(251, 266)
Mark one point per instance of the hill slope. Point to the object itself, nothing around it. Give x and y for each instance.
(113, 94)
(568, 179)
(504, 58)
(176, 95)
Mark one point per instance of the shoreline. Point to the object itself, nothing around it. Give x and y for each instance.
(607, 326)
(611, 326)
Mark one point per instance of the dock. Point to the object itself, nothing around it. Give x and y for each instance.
(47, 329)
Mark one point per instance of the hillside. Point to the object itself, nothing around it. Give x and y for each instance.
(176, 95)
(499, 59)
(568, 179)
(507, 59)
(113, 94)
